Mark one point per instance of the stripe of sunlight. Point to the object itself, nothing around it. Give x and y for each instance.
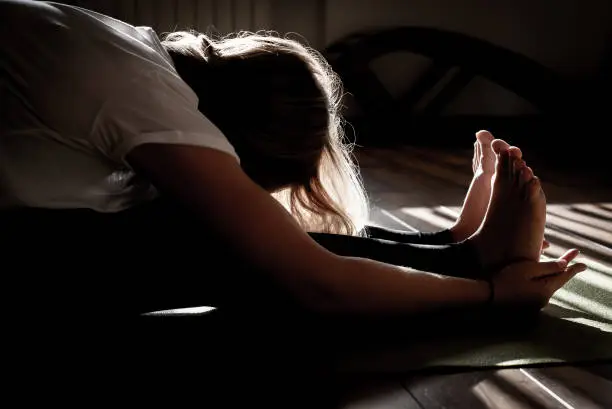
(595, 279)
(426, 214)
(509, 388)
(592, 276)
(546, 389)
(567, 213)
(555, 251)
(190, 310)
(597, 234)
(563, 304)
(397, 220)
(555, 214)
(592, 307)
(452, 212)
(558, 208)
(587, 320)
(525, 382)
(494, 397)
(592, 209)
(578, 242)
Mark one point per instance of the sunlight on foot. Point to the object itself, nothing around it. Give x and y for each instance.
(513, 228)
(477, 198)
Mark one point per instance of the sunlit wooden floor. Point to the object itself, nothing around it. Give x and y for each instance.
(422, 189)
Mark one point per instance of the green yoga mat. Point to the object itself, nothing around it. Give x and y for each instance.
(575, 328)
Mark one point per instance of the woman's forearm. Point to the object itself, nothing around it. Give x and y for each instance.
(366, 286)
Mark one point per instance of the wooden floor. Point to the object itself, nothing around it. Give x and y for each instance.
(416, 188)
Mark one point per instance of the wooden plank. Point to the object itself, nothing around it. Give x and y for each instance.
(595, 234)
(405, 194)
(573, 214)
(493, 389)
(382, 218)
(378, 395)
(408, 187)
(592, 210)
(577, 387)
(607, 207)
(556, 387)
(423, 218)
(560, 187)
(587, 247)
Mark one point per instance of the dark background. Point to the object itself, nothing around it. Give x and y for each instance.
(571, 40)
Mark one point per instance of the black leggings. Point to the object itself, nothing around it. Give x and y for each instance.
(156, 256)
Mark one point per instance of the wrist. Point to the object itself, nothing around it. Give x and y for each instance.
(472, 292)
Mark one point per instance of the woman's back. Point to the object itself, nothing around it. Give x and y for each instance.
(68, 75)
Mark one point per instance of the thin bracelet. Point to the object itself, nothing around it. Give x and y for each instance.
(491, 291)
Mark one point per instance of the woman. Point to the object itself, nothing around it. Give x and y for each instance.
(242, 140)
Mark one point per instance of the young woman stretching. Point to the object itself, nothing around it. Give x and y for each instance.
(190, 171)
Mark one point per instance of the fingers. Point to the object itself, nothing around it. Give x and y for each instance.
(544, 269)
(545, 245)
(569, 255)
(557, 281)
(548, 268)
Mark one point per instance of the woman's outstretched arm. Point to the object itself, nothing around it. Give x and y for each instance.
(212, 184)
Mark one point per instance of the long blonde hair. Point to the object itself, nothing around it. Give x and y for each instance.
(278, 102)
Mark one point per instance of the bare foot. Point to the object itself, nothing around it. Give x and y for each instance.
(478, 195)
(513, 228)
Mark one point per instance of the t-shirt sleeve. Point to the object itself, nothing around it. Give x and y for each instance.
(154, 107)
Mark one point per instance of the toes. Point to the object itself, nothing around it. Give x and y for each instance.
(518, 164)
(487, 158)
(477, 150)
(484, 137)
(534, 188)
(516, 168)
(499, 145)
(515, 152)
(503, 167)
(525, 175)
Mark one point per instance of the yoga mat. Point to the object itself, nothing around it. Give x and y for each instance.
(575, 328)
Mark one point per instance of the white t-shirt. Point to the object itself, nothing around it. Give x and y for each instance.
(78, 91)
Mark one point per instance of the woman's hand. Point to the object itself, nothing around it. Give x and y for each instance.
(545, 245)
(532, 282)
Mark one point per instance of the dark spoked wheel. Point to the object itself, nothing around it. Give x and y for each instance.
(383, 119)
